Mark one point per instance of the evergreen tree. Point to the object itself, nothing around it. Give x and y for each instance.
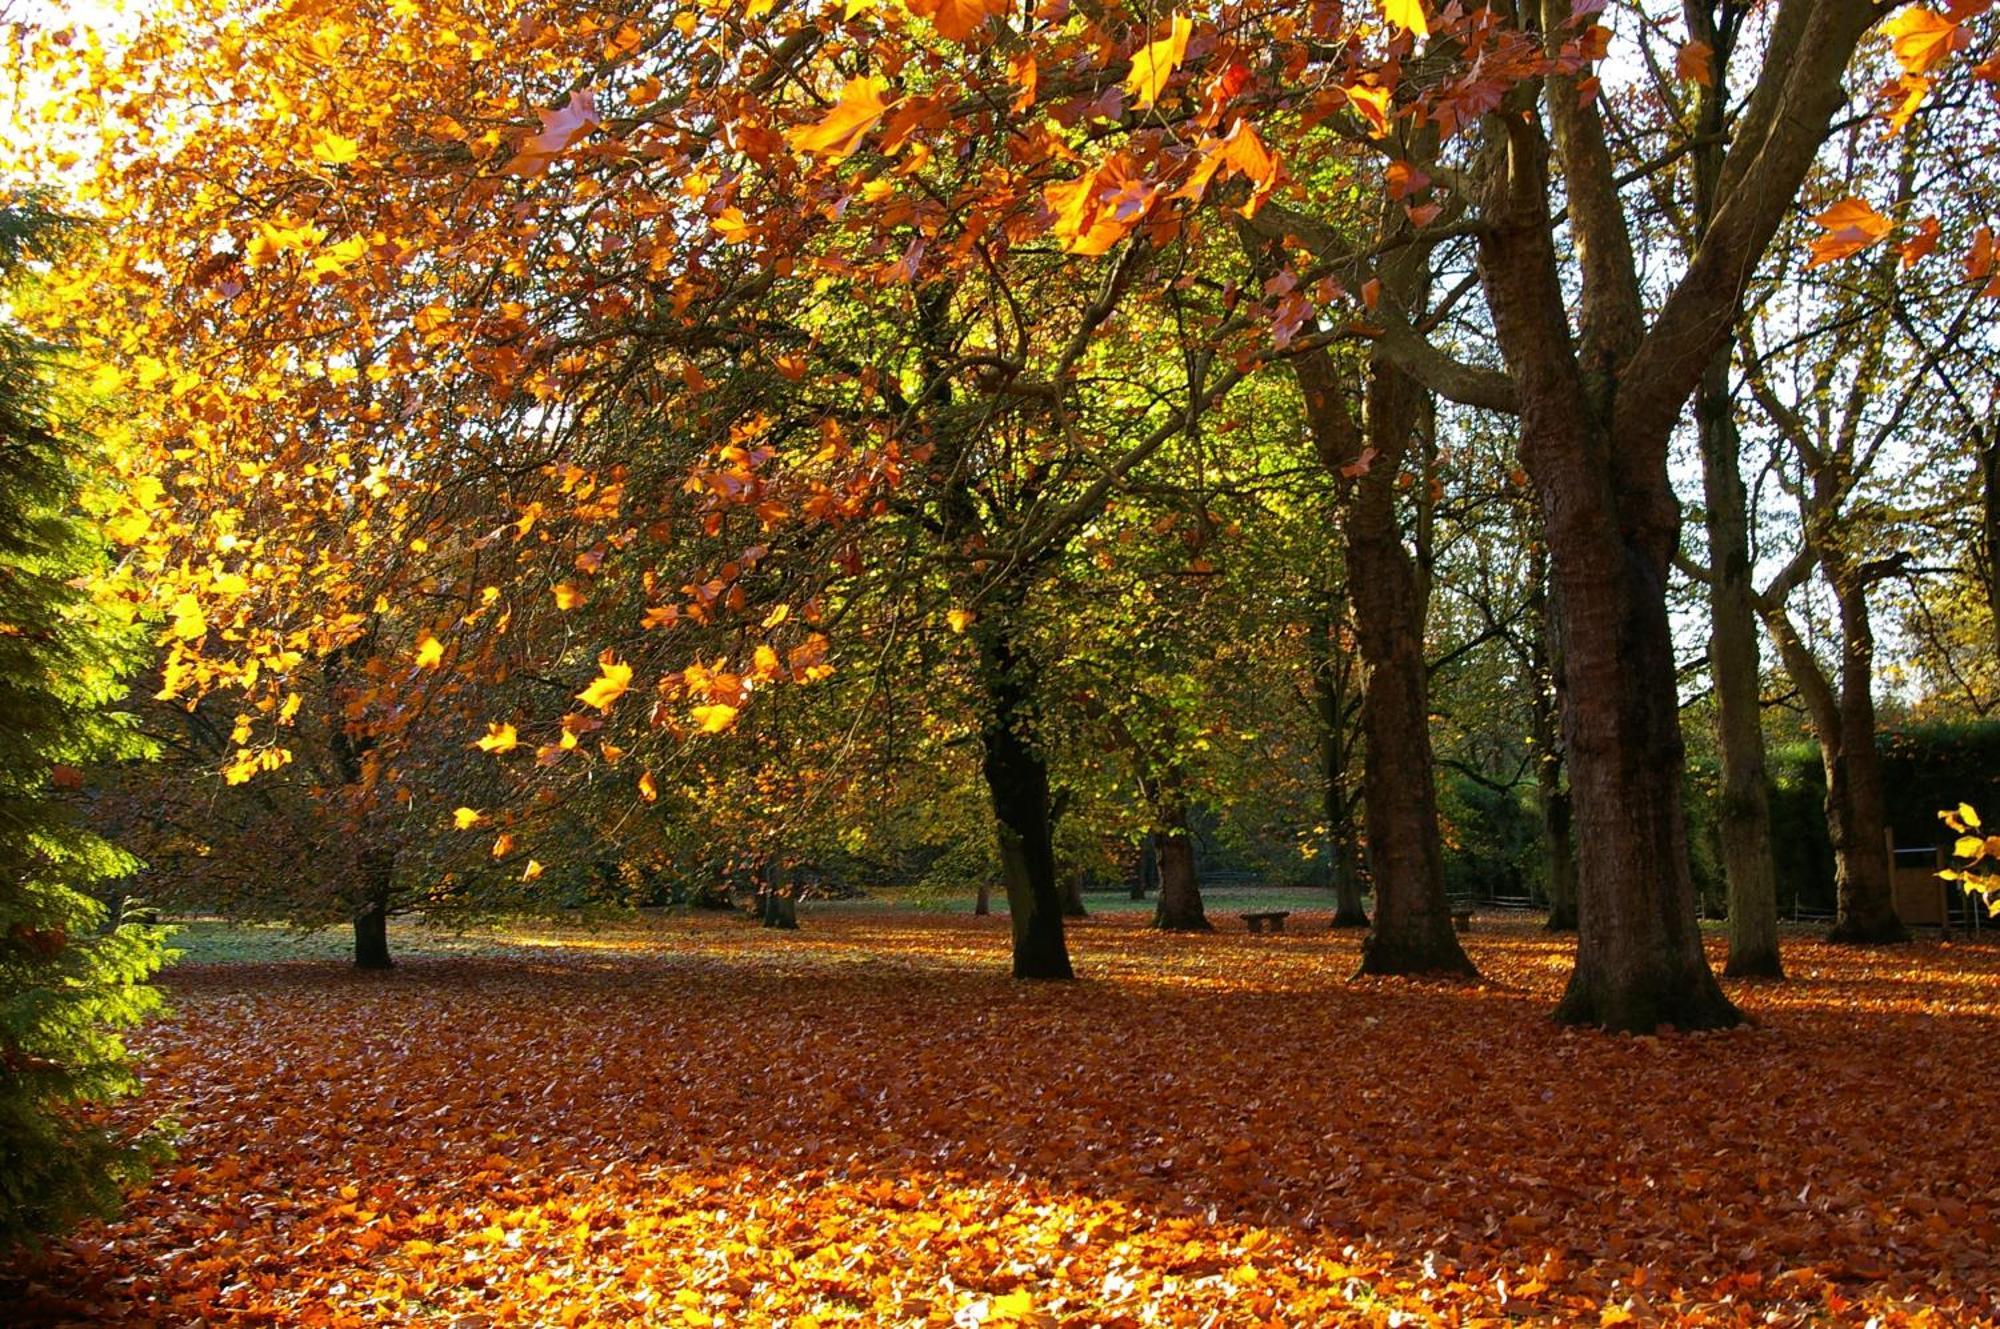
(69, 979)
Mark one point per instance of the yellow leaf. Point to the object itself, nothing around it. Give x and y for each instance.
(430, 652)
(1611, 1315)
(532, 871)
(334, 149)
(503, 846)
(465, 818)
(499, 738)
(1154, 64)
(716, 718)
(189, 622)
(1407, 14)
(1967, 815)
(841, 132)
(610, 684)
(568, 596)
(1015, 1305)
(960, 619)
(648, 790)
(1969, 846)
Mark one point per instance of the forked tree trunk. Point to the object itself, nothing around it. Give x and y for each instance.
(1612, 523)
(1017, 779)
(371, 921)
(1735, 664)
(1180, 908)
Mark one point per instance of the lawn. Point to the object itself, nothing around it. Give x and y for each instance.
(693, 1121)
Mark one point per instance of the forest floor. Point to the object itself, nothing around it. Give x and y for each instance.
(692, 1121)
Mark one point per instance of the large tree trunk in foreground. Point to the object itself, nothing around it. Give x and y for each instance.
(1017, 778)
(371, 921)
(1179, 908)
(1736, 666)
(1612, 523)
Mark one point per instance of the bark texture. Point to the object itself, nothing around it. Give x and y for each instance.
(1017, 779)
(1180, 907)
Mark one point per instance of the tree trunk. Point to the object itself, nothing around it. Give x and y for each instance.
(1989, 523)
(1863, 881)
(1148, 868)
(1735, 665)
(1180, 908)
(1017, 779)
(1735, 662)
(371, 921)
(1552, 799)
(1330, 681)
(1072, 903)
(1612, 523)
(982, 906)
(1412, 932)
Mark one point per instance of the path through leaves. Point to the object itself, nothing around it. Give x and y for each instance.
(696, 1123)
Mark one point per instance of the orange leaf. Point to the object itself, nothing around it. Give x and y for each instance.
(1695, 63)
(840, 133)
(1372, 105)
(1851, 226)
(648, 790)
(1922, 39)
(957, 20)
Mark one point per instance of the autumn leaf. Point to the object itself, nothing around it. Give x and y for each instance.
(648, 790)
(531, 871)
(1695, 63)
(561, 128)
(610, 684)
(569, 596)
(1851, 226)
(503, 845)
(1155, 63)
(334, 149)
(1408, 15)
(189, 621)
(959, 619)
(499, 738)
(715, 717)
(841, 131)
(1922, 39)
(430, 652)
(957, 20)
(466, 818)
(1372, 105)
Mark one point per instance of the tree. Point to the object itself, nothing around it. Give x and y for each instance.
(69, 977)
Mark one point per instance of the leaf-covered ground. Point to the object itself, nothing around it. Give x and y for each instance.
(699, 1122)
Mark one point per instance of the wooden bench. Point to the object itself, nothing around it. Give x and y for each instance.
(1275, 918)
